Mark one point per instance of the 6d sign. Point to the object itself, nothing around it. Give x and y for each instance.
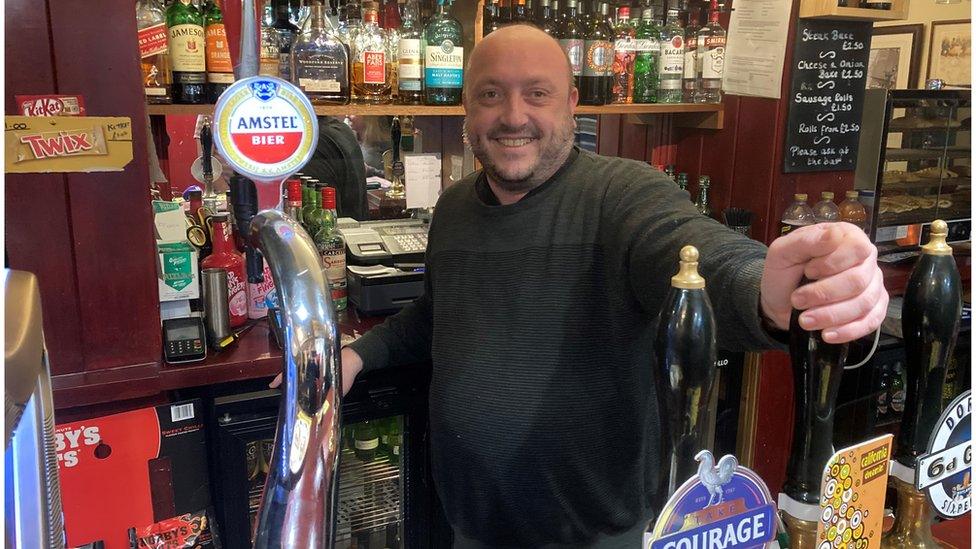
(944, 471)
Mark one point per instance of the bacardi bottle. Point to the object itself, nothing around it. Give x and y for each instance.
(647, 60)
(624, 54)
(443, 58)
(571, 35)
(711, 57)
(186, 47)
(220, 71)
(157, 77)
(672, 60)
(321, 63)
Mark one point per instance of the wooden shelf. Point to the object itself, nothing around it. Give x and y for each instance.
(421, 110)
(828, 9)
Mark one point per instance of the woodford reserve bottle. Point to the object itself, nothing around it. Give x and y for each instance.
(321, 63)
(186, 48)
(686, 361)
(157, 77)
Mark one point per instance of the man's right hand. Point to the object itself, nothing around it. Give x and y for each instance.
(352, 364)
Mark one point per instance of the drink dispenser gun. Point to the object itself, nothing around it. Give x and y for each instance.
(686, 359)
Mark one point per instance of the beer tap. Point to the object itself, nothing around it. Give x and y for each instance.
(817, 370)
(397, 189)
(686, 358)
(930, 325)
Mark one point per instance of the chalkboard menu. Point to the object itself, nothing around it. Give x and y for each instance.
(830, 66)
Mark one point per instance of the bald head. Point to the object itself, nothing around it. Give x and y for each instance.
(524, 41)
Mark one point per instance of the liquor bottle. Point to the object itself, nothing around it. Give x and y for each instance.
(669, 171)
(571, 35)
(897, 400)
(624, 54)
(681, 180)
(546, 18)
(308, 204)
(394, 442)
(597, 60)
(704, 208)
(410, 65)
(443, 47)
(321, 63)
(270, 49)
(799, 214)
(691, 79)
(392, 28)
(826, 211)
(390, 15)
(157, 77)
(520, 13)
(489, 18)
(366, 440)
(371, 62)
(817, 370)
(315, 217)
(504, 12)
(350, 24)
(225, 256)
(332, 248)
(711, 58)
(186, 48)
(220, 71)
(852, 211)
(686, 359)
(884, 387)
(671, 66)
(293, 205)
(286, 32)
(647, 60)
(930, 325)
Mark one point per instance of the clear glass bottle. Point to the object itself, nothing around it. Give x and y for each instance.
(647, 60)
(157, 76)
(350, 24)
(321, 63)
(392, 26)
(799, 214)
(410, 64)
(703, 205)
(711, 58)
(672, 64)
(826, 211)
(624, 54)
(443, 47)
(371, 64)
(691, 78)
(286, 32)
(270, 49)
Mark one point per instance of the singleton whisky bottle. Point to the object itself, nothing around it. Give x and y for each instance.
(672, 62)
(186, 48)
(157, 77)
(410, 65)
(648, 46)
(571, 35)
(371, 63)
(817, 369)
(930, 325)
(686, 361)
(220, 71)
(597, 60)
(443, 58)
(321, 63)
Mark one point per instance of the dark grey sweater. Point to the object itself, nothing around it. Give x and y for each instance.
(539, 319)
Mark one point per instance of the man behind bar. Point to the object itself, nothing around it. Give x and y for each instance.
(545, 275)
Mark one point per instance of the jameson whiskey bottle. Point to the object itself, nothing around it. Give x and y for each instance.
(157, 77)
(686, 361)
(443, 58)
(930, 325)
(186, 47)
(220, 71)
(817, 370)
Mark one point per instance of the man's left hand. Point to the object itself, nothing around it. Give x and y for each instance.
(846, 298)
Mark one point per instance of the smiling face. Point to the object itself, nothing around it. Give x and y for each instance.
(519, 107)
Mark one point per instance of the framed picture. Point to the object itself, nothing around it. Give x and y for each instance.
(951, 52)
(896, 57)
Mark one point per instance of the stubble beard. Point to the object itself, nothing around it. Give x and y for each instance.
(551, 158)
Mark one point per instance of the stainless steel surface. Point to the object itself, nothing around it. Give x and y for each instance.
(248, 65)
(299, 502)
(215, 306)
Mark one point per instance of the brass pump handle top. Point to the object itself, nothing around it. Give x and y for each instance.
(688, 277)
(937, 239)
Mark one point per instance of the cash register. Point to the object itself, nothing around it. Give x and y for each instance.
(385, 262)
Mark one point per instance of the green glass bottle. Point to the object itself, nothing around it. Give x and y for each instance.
(186, 46)
(443, 58)
(366, 440)
(648, 46)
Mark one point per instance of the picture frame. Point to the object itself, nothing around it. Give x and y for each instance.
(896, 57)
(950, 52)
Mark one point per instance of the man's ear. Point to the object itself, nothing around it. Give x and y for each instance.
(573, 99)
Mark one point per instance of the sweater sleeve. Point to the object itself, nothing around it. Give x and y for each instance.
(654, 219)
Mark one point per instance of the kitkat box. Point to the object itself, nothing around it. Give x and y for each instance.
(145, 469)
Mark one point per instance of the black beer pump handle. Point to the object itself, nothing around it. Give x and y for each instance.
(244, 201)
(396, 136)
(206, 155)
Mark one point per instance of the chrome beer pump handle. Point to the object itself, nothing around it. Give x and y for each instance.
(300, 496)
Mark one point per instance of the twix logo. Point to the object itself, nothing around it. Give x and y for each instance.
(64, 143)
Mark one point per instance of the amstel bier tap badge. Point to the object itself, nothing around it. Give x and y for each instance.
(944, 473)
(725, 506)
(265, 128)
